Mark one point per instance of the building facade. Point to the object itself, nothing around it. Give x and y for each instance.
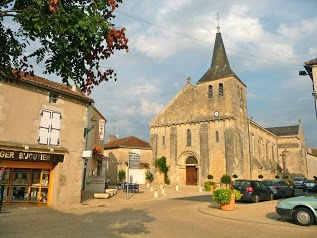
(205, 130)
(42, 141)
(118, 152)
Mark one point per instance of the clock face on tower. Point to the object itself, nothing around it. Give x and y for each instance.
(216, 114)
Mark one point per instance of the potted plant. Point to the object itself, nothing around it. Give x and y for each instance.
(225, 179)
(260, 176)
(277, 176)
(121, 175)
(209, 176)
(149, 176)
(210, 186)
(235, 176)
(226, 198)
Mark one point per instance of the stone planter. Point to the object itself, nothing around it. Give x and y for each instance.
(228, 206)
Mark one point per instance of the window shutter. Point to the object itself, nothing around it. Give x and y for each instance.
(55, 130)
(43, 135)
(44, 127)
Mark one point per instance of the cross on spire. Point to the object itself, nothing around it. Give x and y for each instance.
(218, 27)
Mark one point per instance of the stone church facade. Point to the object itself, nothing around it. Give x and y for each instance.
(205, 130)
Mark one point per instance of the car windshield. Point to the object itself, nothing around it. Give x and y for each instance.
(298, 179)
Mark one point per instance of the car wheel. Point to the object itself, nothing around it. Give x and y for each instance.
(304, 190)
(303, 217)
(256, 198)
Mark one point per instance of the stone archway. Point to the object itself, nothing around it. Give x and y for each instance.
(191, 171)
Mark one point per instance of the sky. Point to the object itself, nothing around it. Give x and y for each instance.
(267, 43)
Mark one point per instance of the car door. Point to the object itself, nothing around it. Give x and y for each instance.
(265, 191)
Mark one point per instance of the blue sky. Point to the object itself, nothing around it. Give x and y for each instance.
(267, 43)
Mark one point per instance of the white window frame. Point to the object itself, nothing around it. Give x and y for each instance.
(50, 125)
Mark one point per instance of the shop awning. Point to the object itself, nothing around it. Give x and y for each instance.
(102, 156)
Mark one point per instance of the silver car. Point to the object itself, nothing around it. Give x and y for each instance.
(280, 188)
(298, 182)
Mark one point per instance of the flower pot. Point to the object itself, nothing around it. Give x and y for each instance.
(228, 206)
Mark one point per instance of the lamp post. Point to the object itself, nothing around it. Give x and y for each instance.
(311, 70)
(86, 132)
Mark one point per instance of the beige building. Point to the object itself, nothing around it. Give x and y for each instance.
(119, 151)
(205, 130)
(42, 141)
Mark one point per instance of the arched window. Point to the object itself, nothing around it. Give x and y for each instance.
(220, 89)
(210, 91)
(191, 160)
(189, 138)
(217, 136)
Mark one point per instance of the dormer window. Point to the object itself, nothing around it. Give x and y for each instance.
(53, 97)
(220, 89)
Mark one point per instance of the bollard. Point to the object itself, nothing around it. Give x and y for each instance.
(151, 188)
(200, 189)
(176, 187)
(161, 185)
(148, 185)
(155, 194)
(163, 191)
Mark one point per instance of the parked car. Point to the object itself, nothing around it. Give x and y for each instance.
(310, 185)
(280, 188)
(302, 209)
(253, 190)
(298, 182)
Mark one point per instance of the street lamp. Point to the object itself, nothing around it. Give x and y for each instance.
(311, 70)
(88, 129)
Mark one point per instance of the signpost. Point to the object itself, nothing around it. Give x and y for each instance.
(133, 163)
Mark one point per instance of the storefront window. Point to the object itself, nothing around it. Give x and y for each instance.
(26, 185)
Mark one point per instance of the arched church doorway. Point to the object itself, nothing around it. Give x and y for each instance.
(191, 171)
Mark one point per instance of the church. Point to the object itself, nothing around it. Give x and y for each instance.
(204, 130)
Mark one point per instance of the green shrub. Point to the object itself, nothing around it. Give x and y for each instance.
(277, 176)
(235, 176)
(149, 176)
(209, 184)
(121, 175)
(210, 176)
(260, 176)
(223, 195)
(225, 179)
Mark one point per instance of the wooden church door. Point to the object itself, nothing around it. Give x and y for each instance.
(191, 175)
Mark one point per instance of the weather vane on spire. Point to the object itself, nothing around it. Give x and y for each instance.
(218, 27)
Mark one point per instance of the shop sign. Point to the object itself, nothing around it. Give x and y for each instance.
(101, 129)
(30, 156)
(87, 154)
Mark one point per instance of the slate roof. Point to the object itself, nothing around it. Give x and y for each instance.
(220, 67)
(131, 142)
(284, 130)
(50, 85)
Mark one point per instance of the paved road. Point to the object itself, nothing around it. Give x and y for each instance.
(182, 214)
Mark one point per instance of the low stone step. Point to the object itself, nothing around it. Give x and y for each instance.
(111, 191)
(102, 195)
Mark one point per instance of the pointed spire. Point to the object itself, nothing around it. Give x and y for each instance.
(220, 67)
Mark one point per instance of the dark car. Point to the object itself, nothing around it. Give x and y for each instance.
(280, 188)
(309, 185)
(253, 190)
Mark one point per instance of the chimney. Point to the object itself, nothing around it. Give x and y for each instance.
(111, 138)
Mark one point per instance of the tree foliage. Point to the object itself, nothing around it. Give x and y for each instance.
(71, 38)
